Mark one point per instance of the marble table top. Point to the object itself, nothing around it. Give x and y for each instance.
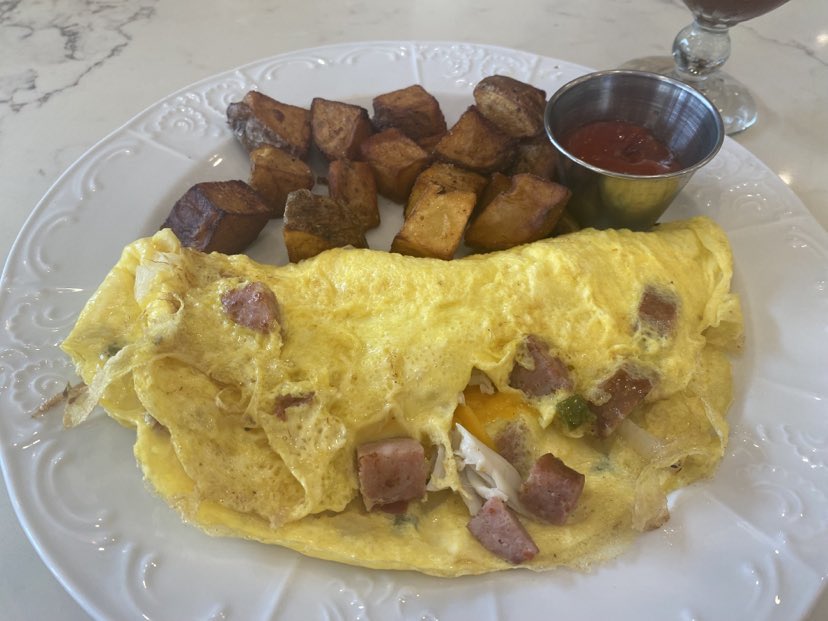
(73, 71)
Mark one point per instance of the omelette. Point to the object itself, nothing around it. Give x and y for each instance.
(531, 407)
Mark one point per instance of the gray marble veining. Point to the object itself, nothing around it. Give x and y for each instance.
(63, 42)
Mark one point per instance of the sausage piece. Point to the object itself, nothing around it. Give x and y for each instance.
(658, 311)
(288, 401)
(391, 471)
(501, 533)
(551, 490)
(512, 443)
(547, 374)
(626, 391)
(254, 306)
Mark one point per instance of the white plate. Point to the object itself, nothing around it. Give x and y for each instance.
(750, 544)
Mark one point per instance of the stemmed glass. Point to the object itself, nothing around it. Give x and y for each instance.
(701, 48)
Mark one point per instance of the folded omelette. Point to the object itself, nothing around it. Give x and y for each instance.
(261, 396)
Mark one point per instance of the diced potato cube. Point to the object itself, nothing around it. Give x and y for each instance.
(414, 111)
(448, 177)
(476, 144)
(259, 120)
(498, 183)
(396, 161)
(274, 174)
(218, 216)
(435, 226)
(316, 223)
(526, 212)
(515, 107)
(536, 156)
(339, 128)
(352, 184)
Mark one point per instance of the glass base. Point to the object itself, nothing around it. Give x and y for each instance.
(731, 97)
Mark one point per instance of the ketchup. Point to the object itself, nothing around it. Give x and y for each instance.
(621, 147)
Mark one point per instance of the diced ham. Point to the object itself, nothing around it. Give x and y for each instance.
(546, 373)
(626, 391)
(394, 508)
(288, 401)
(551, 490)
(501, 533)
(511, 442)
(391, 471)
(658, 310)
(254, 306)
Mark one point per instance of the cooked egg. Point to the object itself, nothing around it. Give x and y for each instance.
(249, 425)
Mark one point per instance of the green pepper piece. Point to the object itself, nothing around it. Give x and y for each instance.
(574, 411)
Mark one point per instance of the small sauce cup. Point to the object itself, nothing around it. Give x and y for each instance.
(675, 113)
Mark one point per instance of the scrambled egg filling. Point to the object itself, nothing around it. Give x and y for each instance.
(253, 433)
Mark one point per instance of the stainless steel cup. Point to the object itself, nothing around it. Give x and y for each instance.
(678, 115)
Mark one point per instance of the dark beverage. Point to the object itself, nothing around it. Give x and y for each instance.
(730, 12)
(701, 48)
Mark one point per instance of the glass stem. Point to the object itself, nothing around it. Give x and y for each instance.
(700, 49)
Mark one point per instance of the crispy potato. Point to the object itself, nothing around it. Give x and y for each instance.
(396, 161)
(498, 183)
(536, 156)
(414, 111)
(352, 184)
(435, 226)
(274, 174)
(339, 128)
(316, 223)
(259, 120)
(448, 177)
(515, 107)
(218, 216)
(476, 144)
(526, 212)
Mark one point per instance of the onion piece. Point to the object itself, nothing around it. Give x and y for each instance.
(162, 266)
(482, 381)
(642, 441)
(484, 473)
(438, 472)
